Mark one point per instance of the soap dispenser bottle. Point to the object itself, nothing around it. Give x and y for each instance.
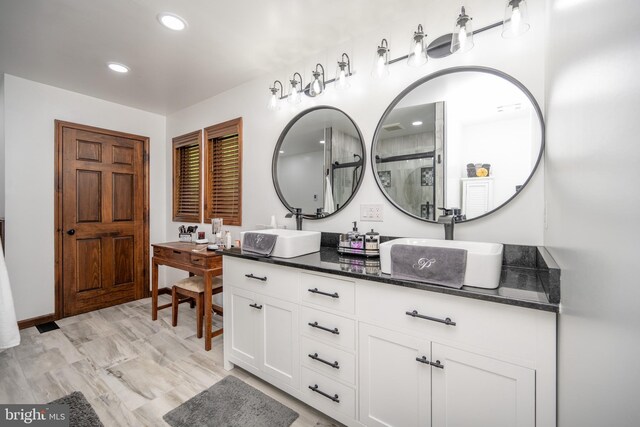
(355, 238)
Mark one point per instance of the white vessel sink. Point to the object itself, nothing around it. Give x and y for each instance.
(484, 260)
(292, 243)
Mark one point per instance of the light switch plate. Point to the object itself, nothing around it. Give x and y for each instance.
(373, 213)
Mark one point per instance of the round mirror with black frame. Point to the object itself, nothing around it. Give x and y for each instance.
(467, 139)
(318, 162)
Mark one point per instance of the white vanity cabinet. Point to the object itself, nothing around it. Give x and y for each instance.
(369, 353)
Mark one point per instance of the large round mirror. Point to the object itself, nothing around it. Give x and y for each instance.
(468, 138)
(318, 162)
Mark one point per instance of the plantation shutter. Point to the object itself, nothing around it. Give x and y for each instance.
(186, 177)
(223, 197)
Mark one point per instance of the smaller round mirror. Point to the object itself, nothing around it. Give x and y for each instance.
(467, 139)
(318, 163)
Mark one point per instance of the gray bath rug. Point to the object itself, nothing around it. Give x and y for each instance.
(81, 414)
(231, 402)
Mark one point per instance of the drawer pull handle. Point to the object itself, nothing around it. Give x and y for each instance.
(334, 331)
(446, 321)
(423, 359)
(196, 259)
(177, 252)
(259, 307)
(251, 276)
(316, 291)
(335, 397)
(436, 364)
(314, 356)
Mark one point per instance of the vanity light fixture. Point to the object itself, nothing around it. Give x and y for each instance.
(516, 19)
(381, 61)
(316, 88)
(117, 67)
(343, 72)
(295, 96)
(417, 49)
(274, 99)
(417, 123)
(172, 21)
(462, 40)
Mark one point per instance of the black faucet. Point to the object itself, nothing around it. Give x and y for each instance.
(298, 214)
(449, 217)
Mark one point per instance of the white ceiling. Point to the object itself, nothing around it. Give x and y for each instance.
(66, 43)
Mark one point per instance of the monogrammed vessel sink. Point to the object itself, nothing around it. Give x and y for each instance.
(484, 260)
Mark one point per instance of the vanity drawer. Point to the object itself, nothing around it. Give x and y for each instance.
(327, 292)
(328, 360)
(256, 276)
(206, 261)
(506, 329)
(330, 328)
(334, 397)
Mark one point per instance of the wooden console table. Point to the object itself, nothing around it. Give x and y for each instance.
(182, 256)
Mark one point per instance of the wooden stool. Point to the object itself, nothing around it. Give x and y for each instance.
(193, 287)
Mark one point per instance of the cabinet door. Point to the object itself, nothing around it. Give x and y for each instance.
(281, 341)
(394, 386)
(472, 390)
(246, 318)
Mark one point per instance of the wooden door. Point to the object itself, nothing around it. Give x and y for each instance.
(103, 218)
(395, 388)
(473, 390)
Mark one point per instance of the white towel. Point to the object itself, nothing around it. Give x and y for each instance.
(9, 333)
(329, 205)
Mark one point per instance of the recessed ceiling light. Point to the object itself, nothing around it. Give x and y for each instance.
(322, 141)
(417, 123)
(172, 22)
(118, 68)
(281, 151)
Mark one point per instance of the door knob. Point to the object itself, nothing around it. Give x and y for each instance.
(71, 232)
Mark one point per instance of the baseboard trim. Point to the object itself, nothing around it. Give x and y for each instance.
(28, 323)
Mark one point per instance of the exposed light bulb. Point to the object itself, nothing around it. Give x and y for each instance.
(516, 19)
(316, 86)
(342, 79)
(380, 66)
(417, 50)
(273, 102)
(462, 37)
(294, 96)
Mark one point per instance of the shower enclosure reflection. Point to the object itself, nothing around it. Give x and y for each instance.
(468, 138)
(318, 162)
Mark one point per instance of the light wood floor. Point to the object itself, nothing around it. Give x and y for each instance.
(131, 369)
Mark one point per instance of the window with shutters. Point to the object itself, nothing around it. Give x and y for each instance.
(223, 172)
(187, 193)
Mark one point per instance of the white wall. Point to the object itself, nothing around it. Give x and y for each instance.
(593, 200)
(30, 111)
(521, 222)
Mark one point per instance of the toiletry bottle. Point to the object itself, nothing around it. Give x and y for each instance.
(273, 223)
(227, 240)
(372, 241)
(355, 238)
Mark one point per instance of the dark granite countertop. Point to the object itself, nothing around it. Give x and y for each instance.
(519, 286)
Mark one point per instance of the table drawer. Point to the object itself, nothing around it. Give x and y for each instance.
(329, 395)
(330, 328)
(497, 327)
(255, 276)
(206, 261)
(328, 292)
(328, 360)
(173, 255)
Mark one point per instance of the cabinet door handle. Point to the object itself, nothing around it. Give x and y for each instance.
(437, 364)
(446, 321)
(423, 359)
(316, 291)
(334, 331)
(335, 397)
(251, 276)
(256, 306)
(335, 364)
